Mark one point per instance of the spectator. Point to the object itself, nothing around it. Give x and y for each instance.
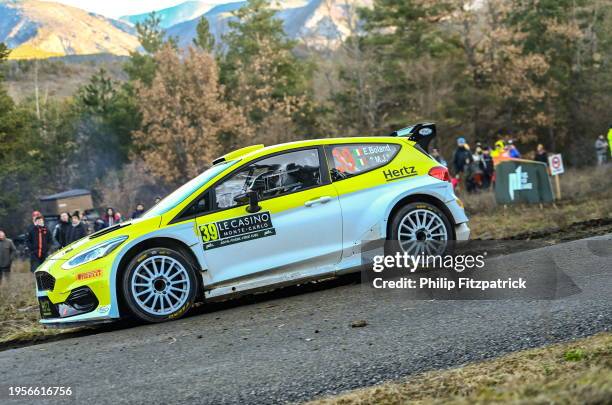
(513, 152)
(35, 214)
(140, 210)
(601, 150)
(500, 150)
(59, 232)
(541, 155)
(7, 253)
(77, 229)
(461, 161)
(488, 168)
(38, 240)
(435, 153)
(99, 224)
(111, 218)
(461, 156)
(475, 179)
(85, 222)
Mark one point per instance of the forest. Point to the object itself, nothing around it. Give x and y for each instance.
(535, 71)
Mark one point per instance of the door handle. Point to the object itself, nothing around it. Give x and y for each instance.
(320, 200)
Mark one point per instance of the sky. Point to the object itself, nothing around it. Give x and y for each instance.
(118, 8)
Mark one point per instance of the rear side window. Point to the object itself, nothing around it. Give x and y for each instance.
(351, 160)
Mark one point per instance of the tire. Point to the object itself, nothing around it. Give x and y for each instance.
(419, 222)
(159, 285)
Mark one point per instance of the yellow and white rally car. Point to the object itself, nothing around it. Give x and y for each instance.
(259, 218)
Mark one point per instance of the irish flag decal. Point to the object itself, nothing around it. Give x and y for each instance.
(360, 159)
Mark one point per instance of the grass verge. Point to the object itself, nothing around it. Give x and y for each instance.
(513, 220)
(19, 312)
(566, 373)
(587, 195)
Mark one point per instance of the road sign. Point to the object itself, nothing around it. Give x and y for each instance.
(555, 162)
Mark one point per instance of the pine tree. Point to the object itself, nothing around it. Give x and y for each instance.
(152, 37)
(204, 39)
(565, 34)
(405, 43)
(21, 158)
(263, 75)
(4, 52)
(107, 116)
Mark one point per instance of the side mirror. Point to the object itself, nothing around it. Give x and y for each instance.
(249, 197)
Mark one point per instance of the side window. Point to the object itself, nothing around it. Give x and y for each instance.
(201, 206)
(272, 177)
(351, 160)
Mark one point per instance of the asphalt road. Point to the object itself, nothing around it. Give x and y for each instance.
(292, 348)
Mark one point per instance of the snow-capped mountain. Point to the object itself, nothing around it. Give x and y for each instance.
(319, 23)
(43, 28)
(174, 15)
(40, 29)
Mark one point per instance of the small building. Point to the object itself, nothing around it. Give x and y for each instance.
(67, 201)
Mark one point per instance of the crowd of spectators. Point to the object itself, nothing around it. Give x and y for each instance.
(40, 241)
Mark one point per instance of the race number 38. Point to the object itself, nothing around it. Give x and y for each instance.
(209, 232)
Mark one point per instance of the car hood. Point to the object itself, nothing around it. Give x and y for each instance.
(125, 228)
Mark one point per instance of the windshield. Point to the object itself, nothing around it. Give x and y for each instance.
(180, 194)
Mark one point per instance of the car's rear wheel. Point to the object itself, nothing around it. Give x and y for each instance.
(159, 284)
(420, 227)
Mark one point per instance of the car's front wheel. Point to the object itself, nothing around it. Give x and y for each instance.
(159, 284)
(420, 227)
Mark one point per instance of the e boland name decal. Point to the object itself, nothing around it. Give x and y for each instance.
(236, 230)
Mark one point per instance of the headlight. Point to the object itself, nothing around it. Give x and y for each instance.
(94, 253)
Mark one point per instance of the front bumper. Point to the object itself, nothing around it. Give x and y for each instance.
(74, 297)
(81, 305)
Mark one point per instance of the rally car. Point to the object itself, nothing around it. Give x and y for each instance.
(258, 218)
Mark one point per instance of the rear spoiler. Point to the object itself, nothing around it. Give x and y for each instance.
(422, 133)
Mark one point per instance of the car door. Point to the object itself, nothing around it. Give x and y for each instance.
(296, 233)
(361, 174)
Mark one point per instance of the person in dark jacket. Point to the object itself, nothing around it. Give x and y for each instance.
(77, 229)
(461, 157)
(59, 232)
(7, 253)
(38, 240)
(541, 155)
(140, 209)
(488, 168)
(99, 224)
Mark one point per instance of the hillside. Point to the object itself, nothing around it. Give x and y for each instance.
(41, 29)
(57, 77)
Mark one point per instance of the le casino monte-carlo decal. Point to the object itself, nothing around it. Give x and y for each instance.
(237, 230)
